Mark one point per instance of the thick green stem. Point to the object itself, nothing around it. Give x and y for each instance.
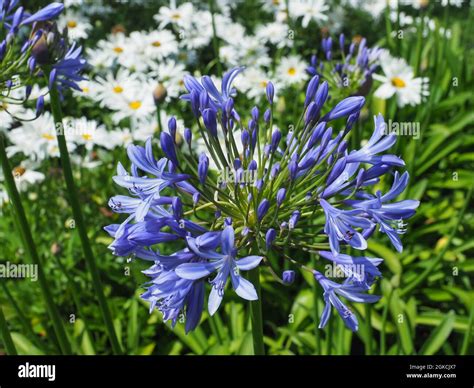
(7, 338)
(30, 249)
(23, 319)
(79, 221)
(256, 314)
(467, 336)
(215, 41)
(368, 332)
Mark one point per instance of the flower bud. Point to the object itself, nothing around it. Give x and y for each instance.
(188, 135)
(167, 145)
(262, 209)
(270, 89)
(172, 127)
(280, 197)
(270, 237)
(159, 94)
(288, 277)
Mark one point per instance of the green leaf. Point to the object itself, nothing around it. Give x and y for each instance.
(246, 347)
(132, 328)
(439, 335)
(401, 322)
(24, 346)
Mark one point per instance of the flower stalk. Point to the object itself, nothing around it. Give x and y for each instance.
(31, 251)
(79, 220)
(7, 338)
(256, 314)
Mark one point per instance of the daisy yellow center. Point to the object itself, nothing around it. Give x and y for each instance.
(263, 84)
(85, 89)
(47, 136)
(176, 16)
(3, 106)
(72, 24)
(135, 105)
(118, 89)
(398, 82)
(18, 171)
(118, 50)
(87, 136)
(291, 71)
(156, 43)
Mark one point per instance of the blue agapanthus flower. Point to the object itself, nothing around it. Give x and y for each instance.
(346, 66)
(17, 61)
(53, 52)
(213, 214)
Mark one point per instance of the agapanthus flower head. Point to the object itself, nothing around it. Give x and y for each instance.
(53, 52)
(348, 67)
(258, 198)
(17, 62)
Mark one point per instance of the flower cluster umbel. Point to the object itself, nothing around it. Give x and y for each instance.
(347, 68)
(24, 61)
(309, 194)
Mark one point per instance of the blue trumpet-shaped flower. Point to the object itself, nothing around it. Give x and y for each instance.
(348, 290)
(377, 144)
(225, 264)
(341, 226)
(218, 99)
(389, 216)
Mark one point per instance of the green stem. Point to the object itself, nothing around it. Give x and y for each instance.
(215, 42)
(420, 279)
(7, 338)
(329, 330)
(384, 324)
(256, 314)
(24, 321)
(30, 249)
(368, 333)
(158, 118)
(78, 218)
(467, 336)
(317, 333)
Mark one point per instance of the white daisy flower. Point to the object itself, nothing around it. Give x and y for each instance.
(26, 176)
(199, 33)
(156, 44)
(227, 30)
(399, 80)
(7, 113)
(181, 16)
(136, 105)
(116, 48)
(36, 139)
(275, 33)
(291, 70)
(254, 82)
(121, 137)
(111, 89)
(309, 10)
(87, 133)
(78, 25)
(375, 8)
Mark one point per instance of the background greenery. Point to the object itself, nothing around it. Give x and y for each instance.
(428, 296)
